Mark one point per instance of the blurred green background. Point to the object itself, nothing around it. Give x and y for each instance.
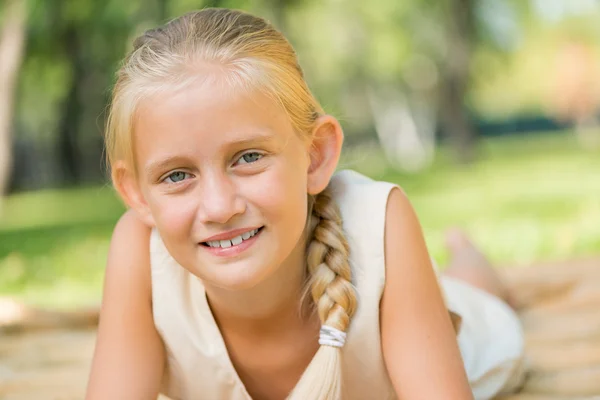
(486, 112)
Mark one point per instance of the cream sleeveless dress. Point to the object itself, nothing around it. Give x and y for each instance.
(490, 337)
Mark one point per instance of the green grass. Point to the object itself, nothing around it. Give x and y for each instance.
(528, 198)
(53, 245)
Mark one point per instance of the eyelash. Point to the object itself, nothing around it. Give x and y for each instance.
(187, 175)
(241, 157)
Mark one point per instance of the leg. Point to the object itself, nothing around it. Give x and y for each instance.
(468, 264)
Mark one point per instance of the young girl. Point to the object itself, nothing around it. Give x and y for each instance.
(247, 268)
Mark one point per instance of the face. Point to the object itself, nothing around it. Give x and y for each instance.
(224, 179)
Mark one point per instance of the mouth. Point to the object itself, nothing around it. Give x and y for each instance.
(233, 242)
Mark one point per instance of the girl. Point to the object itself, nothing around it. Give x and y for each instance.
(246, 268)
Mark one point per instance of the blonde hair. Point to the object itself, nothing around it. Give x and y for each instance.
(255, 56)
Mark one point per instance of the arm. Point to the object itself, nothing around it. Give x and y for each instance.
(419, 344)
(129, 357)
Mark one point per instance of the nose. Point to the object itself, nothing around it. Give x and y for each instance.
(221, 200)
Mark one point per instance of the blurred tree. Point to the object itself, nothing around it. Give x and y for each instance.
(375, 64)
(12, 42)
(460, 32)
(74, 48)
(91, 36)
(363, 52)
(442, 37)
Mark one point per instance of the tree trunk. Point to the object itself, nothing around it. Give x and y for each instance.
(68, 148)
(12, 43)
(456, 122)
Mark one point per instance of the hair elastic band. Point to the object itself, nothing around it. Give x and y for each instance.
(329, 336)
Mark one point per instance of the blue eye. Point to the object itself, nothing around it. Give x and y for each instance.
(177, 176)
(249, 158)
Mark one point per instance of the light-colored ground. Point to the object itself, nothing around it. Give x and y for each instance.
(45, 365)
(560, 312)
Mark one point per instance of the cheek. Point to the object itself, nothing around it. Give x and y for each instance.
(173, 215)
(280, 193)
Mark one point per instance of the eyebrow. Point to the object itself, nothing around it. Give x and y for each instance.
(259, 137)
(156, 167)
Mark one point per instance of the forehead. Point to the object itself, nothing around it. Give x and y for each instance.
(209, 105)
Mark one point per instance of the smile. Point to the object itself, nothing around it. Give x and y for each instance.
(233, 241)
(229, 246)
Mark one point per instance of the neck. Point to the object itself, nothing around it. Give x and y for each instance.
(271, 305)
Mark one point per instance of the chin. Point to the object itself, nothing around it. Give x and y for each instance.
(236, 277)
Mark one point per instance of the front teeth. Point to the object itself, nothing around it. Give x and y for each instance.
(233, 242)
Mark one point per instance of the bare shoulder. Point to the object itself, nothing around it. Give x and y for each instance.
(129, 355)
(407, 261)
(130, 230)
(418, 341)
(400, 216)
(406, 254)
(129, 252)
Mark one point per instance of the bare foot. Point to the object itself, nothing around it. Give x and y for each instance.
(468, 264)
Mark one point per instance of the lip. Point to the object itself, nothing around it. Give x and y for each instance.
(230, 234)
(233, 250)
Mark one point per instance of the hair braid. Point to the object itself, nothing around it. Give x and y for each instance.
(328, 265)
(333, 295)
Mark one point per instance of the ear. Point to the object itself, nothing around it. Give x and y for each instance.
(325, 150)
(125, 181)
